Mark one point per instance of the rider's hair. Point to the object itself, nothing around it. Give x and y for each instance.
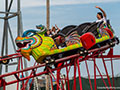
(100, 14)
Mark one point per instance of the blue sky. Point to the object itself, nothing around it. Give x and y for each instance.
(67, 12)
(63, 15)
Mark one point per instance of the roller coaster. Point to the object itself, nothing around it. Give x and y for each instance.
(81, 43)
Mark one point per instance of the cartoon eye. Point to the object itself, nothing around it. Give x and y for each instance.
(29, 33)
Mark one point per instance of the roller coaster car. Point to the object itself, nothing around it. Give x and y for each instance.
(44, 48)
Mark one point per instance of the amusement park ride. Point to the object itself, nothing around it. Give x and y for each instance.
(71, 46)
(32, 41)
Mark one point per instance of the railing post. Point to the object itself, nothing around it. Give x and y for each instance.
(80, 81)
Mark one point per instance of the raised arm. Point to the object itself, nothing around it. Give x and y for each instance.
(104, 14)
(57, 28)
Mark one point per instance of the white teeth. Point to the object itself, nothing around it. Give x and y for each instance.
(22, 42)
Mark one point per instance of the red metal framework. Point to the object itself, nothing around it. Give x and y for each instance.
(69, 61)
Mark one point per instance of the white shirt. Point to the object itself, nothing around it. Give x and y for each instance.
(53, 33)
(102, 19)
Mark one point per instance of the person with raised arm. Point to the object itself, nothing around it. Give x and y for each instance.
(101, 16)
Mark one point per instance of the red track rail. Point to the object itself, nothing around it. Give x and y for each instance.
(12, 56)
(75, 58)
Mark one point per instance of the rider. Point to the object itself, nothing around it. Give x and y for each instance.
(55, 30)
(101, 16)
(48, 33)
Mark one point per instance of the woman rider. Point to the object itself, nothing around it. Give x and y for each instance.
(101, 16)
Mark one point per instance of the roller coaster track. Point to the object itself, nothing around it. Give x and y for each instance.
(73, 60)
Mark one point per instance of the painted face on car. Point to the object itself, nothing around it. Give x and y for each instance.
(27, 42)
(35, 43)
